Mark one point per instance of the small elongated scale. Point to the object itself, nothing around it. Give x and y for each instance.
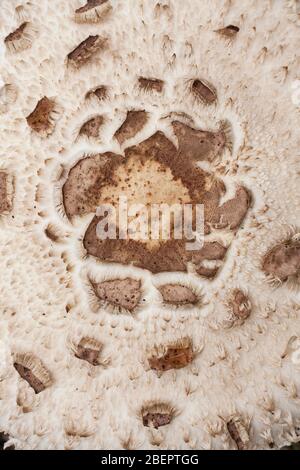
(86, 50)
(204, 91)
(133, 124)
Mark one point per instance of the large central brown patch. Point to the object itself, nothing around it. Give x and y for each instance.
(156, 172)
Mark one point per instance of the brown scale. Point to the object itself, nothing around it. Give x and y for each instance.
(151, 84)
(239, 304)
(283, 261)
(204, 92)
(101, 92)
(229, 31)
(176, 294)
(5, 198)
(175, 358)
(17, 34)
(86, 50)
(89, 351)
(91, 128)
(197, 144)
(125, 293)
(28, 375)
(40, 118)
(134, 123)
(90, 5)
(156, 420)
(238, 433)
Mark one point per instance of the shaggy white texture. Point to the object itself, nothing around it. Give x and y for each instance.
(45, 301)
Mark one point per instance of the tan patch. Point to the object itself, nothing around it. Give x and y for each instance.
(91, 128)
(151, 84)
(121, 293)
(283, 261)
(204, 91)
(86, 50)
(134, 123)
(41, 118)
(176, 294)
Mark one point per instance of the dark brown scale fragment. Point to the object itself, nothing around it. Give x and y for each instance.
(229, 31)
(91, 128)
(151, 84)
(156, 420)
(40, 119)
(28, 375)
(125, 293)
(50, 233)
(283, 261)
(176, 294)
(203, 91)
(134, 123)
(86, 50)
(211, 251)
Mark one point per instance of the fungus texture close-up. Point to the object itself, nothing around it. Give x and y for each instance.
(149, 224)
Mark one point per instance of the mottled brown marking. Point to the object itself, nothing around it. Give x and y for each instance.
(156, 420)
(176, 294)
(151, 84)
(40, 119)
(152, 172)
(198, 144)
(134, 123)
(28, 375)
(91, 128)
(125, 293)
(100, 92)
(203, 91)
(175, 357)
(239, 304)
(229, 31)
(283, 261)
(5, 196)
(17, 34)
(86, 50)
